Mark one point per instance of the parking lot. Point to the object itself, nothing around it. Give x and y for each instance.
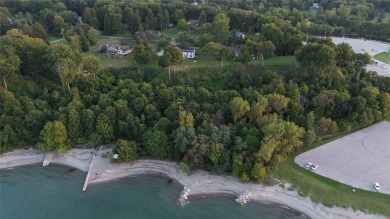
(359, 159)
(371, 47)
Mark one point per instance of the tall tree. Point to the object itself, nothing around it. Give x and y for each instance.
(112, 19)
(59, 25)
(53, 136)
(9, 63)
(91, 65)
(67, 70)
(38, 31)
(172, 55)
(127, 150)
(142, 54)
(217, 50)
(220, 27)
(239, 108)
(202, 17)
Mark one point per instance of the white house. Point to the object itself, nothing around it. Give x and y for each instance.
(118, 51)
(240, 35)
(188, 53)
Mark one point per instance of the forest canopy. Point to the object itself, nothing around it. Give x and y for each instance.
(244, 121)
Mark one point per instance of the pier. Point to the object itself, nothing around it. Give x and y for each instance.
(89, 171)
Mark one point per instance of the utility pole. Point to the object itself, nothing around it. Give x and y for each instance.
(262, 59)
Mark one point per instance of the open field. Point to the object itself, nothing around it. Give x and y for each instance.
(327, 191)
(369, 46)
(171, 32)
(274, 63)
(383, 57)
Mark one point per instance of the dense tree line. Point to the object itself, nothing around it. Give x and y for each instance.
(214, 118)
(217, 119)
(353, 18)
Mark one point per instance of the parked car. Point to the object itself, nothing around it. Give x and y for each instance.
(377, 186)
(308, 165)
(313, 167)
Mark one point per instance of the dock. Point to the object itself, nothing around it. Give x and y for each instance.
(89, 171)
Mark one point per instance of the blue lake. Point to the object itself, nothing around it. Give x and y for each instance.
(55, 192)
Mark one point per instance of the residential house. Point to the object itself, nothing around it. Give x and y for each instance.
(240, 35)
(316, 5)
(193, 22)
(118, 51)
(188, 53)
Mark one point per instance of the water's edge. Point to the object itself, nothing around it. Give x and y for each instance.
(167, 205)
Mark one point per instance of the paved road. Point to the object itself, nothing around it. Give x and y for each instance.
(359, 159)
(369, 46)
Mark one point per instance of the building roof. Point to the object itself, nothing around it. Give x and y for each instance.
(188, 50)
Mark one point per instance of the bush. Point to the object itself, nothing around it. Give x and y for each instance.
(244, 178)
(185, 168)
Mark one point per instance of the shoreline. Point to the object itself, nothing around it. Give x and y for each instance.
(200, 183)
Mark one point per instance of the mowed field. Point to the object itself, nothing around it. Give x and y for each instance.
(359, 159)
(383, 57)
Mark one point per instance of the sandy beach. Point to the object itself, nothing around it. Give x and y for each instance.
(200, 183)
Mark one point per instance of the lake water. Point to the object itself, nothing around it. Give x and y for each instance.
(55, 192)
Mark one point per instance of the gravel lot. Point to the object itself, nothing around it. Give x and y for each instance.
(359, 159)
(371, 47)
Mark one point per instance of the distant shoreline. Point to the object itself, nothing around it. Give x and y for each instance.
(201, 183)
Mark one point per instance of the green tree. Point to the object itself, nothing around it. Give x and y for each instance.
(142, 54)
(104, 128)
(67, 70)
(215, 151)
(9, 63)
(326, 126)
(29, 50)
(280, 138)
(59, 25)
(182, 25)
(258, 172)
(178, 14)
(246, 55)
(91, 65)
(38, 31)
(74, 125)
(112, 19)
(156, 144)
(216, 50)
(202, 17)
(127, 150)
(185, 119)
(277, 102)
(53, 136)
(172, 55)
(237, 164)
(239, 108)
(182, 138)
(220, 27)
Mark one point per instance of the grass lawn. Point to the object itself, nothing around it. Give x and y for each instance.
(171, 31)
(383, 57)
(328, 191)
(52, 37)
(110, 62)
(275, 63)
